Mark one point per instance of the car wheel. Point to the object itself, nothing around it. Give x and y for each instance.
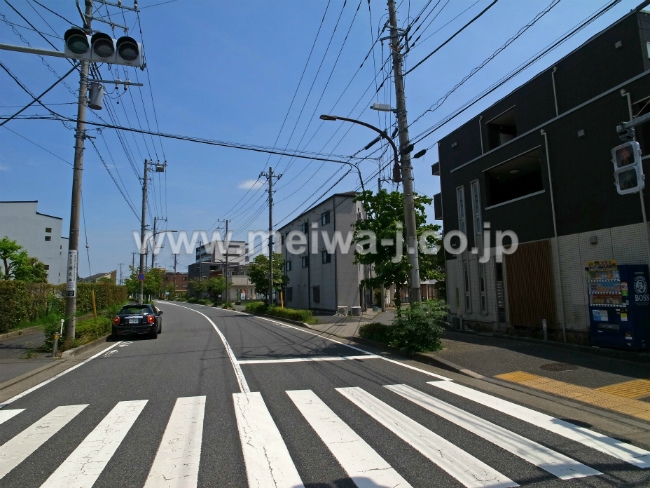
(160, 328)
(154, 333)
(113, 334)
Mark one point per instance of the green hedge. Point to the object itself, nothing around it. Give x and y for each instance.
(285, 313)
(85, 331)
(26, 302)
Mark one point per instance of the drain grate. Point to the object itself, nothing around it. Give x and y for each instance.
(558, 367)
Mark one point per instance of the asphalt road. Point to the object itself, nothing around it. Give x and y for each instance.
(225, 399)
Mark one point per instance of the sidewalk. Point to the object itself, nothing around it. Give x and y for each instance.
(592, 376)
(18, 355)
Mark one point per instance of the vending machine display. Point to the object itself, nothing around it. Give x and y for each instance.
(619, 304)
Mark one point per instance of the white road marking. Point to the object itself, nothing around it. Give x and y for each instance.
(268, 462)
(360, 461)
(177, 460)
(612, 447)
(471, 472)
(16, 450)
(110, 353)
(241, 379)
(306, 359)
(302, 329)
(82, 468)
(36, 387)
(547, 459)
(7, 414)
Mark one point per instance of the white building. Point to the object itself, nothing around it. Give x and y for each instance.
(319, 279)
(39, 234)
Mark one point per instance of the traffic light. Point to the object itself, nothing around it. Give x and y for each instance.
(101, 48)
(628, 169)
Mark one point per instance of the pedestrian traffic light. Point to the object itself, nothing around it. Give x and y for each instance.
(628, 168)
(101, 48)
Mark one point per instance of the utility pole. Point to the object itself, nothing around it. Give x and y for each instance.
(143, 228)
(121, 281)
(407, 176)
(227, 249)
(153, 241)
(270, 176)
(175, 257)
(73, 243)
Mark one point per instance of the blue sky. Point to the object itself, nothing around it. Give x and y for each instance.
(256, 73)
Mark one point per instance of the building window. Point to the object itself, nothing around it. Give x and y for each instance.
(47, 266)
(316, 293)
(304, 228)
(515, 178)
(325, 218)
(460, 201)
(305, 261)
(326, 257)
(482, 288)
(468, 302)
(48, 230)
(502, 129)
(48, 238)
(289, 294)
(475, 189)
(287, 266)
(282, 239)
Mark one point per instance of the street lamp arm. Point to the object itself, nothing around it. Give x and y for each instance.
(382, 133)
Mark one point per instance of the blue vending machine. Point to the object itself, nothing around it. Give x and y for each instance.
(619, 304)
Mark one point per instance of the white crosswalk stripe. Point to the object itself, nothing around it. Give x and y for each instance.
(360, 461)
(268, 462)
(177, 460)
(24, 444)
(555, 463)
(82, 468)
(468, 470)
(8, 414)
(607, 445)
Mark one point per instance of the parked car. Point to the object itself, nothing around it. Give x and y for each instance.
(138, 319)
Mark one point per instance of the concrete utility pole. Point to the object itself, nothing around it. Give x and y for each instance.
(270, 176)
(73, 243)
(143, 228)
(175, 258)
(227, 249)
(402, 125)
(153, 240)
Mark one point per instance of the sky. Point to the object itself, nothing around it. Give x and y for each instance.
(253, 73)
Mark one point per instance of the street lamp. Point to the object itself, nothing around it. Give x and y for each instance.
(145, 245)
(382, 134)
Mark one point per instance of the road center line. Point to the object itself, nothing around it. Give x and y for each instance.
(239, 374)
(307, 359)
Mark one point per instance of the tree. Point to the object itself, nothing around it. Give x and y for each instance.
(215, 285)
(258, 273)
(385, 217)
(18, 265)
(153, 282)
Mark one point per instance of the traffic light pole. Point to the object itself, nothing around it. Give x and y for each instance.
(75, 210)
(407, 176)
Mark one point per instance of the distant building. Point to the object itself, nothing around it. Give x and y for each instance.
(178, 280)
(39, 234)
(323, 280)
(100, 277)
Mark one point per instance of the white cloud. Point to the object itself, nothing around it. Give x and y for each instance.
(250, 184)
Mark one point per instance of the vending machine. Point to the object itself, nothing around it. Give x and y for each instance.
(619, 304)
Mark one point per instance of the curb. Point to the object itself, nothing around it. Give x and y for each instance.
(25, 331)
(70, 353)
(29, 374)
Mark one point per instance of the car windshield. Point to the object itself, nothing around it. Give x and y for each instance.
(136, 309)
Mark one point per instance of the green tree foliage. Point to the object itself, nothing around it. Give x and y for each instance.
(18, 265)
(153, 282)
(215, 285)
(385, 216)
(258, 272)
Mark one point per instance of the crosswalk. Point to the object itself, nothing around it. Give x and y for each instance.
(270, 461)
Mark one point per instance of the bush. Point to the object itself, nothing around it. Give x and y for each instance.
(376, 332)
(285, 313)
(418, 327)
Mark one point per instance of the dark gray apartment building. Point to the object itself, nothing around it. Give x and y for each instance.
(538, 162)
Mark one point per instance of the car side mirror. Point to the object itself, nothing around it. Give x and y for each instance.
(160, 312)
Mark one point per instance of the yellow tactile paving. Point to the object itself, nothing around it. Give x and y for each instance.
(629, 389)
(600, 397)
